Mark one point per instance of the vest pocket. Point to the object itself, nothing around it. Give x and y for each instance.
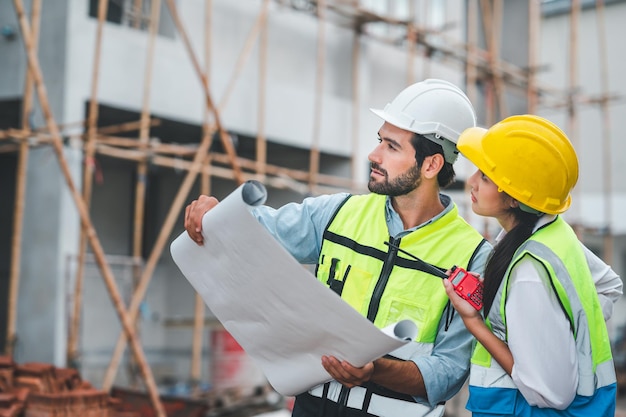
(489, 402)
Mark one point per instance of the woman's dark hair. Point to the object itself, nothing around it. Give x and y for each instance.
(425, 147)
(503, 252)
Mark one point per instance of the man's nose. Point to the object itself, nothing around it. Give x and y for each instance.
(374, 156)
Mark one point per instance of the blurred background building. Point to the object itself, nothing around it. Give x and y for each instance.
(122, 96)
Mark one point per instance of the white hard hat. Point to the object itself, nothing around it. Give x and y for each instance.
(433, 108)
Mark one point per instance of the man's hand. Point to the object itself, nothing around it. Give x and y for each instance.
(193, 216)
(346, 374)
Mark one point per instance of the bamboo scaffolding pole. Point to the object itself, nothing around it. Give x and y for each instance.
(245, 53)
(427, 67)
(225, 139)
(130, 143)
(13, 134)
(195, 371)
(62, 126)
(471, 75)
(16, 136)
(72, 345)
(572, 114)
(34, 67)
(314, 156)
(411, 45)
(261, 141)
(198, 332)
(280, 182)
(109, 146)
(497, 16)
(606, 132)
(33, 138)
(208, 46)
(356, 99)
(281, 176)
(26, 133)
(492, 23)
(534, 26)
(110, 129)
(142, 166)
(20, 195)
(125, 127)
(582, 99)
(490, 105)
(472, 39)
(27, 107)
(490, 92)
(199, 306)
(179, 200)
(11, 148)
(137, 13)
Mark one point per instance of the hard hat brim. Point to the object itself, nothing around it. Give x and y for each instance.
(470, 146)
(422, 128)
(391, 119)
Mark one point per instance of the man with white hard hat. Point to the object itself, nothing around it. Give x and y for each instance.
(365, 248)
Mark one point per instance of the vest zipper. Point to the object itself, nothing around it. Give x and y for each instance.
(385, 272)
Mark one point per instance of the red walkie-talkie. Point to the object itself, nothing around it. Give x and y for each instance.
(468, 286)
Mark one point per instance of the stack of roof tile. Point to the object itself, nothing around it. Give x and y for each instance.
(12, 398)
(43, 390)
(82, 402)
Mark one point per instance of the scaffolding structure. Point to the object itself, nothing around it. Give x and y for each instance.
(481, 64)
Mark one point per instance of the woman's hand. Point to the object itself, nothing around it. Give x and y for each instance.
(463, 307)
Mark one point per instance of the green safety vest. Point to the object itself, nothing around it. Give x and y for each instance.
(380, 282)
(559, 251)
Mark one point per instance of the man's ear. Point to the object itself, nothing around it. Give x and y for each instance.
(432, 165)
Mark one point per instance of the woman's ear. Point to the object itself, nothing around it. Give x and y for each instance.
(514, 203)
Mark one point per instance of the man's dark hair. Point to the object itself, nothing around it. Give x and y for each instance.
(425, 147)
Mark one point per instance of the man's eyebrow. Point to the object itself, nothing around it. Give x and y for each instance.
(392, 141)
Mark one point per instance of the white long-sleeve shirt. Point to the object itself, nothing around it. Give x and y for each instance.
(546, 372)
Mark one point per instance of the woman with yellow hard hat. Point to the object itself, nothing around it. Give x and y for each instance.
(543, 346)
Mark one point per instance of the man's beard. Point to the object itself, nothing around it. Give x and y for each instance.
(401, 185)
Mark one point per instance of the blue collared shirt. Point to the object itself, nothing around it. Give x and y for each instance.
(299, 227)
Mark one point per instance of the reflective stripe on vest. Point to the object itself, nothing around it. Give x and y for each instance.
(355, 259)
(559, 251)
(379, 405)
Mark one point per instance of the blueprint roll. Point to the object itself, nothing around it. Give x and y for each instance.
(271, 304)
(253, 193)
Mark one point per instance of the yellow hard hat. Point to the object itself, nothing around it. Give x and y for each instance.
(527, 157)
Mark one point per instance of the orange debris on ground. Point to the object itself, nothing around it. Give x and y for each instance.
(43, 390)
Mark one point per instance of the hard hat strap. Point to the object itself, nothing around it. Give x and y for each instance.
(530, 210)
(450, 152)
